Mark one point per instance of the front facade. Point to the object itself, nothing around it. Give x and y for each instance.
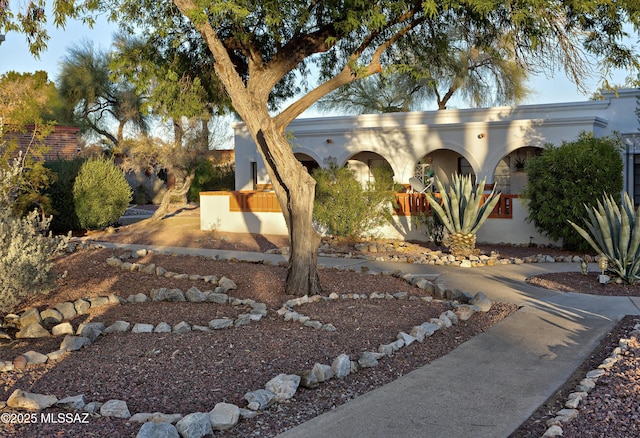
(491, 144)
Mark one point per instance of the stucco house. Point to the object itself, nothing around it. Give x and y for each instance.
(491, 143)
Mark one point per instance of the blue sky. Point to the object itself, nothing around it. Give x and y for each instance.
(14, 55)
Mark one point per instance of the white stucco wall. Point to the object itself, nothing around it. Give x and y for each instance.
(482, 136)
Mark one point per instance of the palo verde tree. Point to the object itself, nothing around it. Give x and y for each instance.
(256, 47)
(94, 99)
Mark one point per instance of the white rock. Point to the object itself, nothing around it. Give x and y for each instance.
(284, 386)
(224, 416)
(195, 425)
(28, 400)
(407, 338)
(75, 402)
(142, 328)
(74, 343)
(155, 417)
(181, 327)
(162, 327)
(341, 366)
(63, 328)
(158, 430)
(118, 327)
(115, 408)
(322, 372)
(35, 358)
(259, 399)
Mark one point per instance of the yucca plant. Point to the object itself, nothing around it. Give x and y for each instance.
(462, 211)
(614, 231)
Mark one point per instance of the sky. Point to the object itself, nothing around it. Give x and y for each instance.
(15, 56)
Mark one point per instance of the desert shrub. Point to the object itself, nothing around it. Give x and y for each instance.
(344, 208)
(101, 194)
(210, 176)
(564, 179)
(26, 248)
(61, 194)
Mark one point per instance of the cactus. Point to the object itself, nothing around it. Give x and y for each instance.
(462, 212)
(614, 231)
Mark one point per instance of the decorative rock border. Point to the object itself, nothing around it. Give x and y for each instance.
(572, 405)
(280, 388)
(224, 415)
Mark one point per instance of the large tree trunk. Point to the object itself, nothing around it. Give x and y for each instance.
(295, 190)
(162, 210)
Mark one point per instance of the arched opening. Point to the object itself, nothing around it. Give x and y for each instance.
(307, 161)
(366, 164)
(443, 163)
(509, 175)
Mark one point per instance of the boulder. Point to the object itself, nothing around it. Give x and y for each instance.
(225, 284)
(27, 400)
(155, 417)
(162, 327)
(224, 416)
(222, 323)
(181, 327)
(262, 397)
(34, 330)
(142, 328)
(118, 327)
(91, 330)
(322, 372)
(195, 295)
(82, 306)
(63, 328)
(74, 403)
(158, 430)
(284, 386)
(115, 408)
(175, 296)
(51, 316)
(74, 343)
(480, 300)
(341, 366)
(217, 297)
(195, 425)
(35, 358)
(28, 317)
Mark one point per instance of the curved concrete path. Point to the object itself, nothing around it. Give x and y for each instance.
(487, 386)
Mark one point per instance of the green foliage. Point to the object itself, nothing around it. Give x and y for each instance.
(25, 247)
(614, 231)
(101, 194)
(462, 209)
(344, 208)
(61, 194)
(565, 178)
(210, 176)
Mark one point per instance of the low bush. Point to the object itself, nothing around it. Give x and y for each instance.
(344, 208)
(101, 194)
(26, 248)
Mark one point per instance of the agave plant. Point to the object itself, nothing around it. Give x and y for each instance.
(614, 231)
(462, 211)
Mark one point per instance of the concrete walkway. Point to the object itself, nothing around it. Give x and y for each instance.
(489, 385)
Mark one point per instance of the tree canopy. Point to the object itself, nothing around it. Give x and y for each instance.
(261, 50)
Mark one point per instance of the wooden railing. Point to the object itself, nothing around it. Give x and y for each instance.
(255, 201)
(408, 204)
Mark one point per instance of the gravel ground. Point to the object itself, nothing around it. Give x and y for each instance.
(191, 372)
(194, 371)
